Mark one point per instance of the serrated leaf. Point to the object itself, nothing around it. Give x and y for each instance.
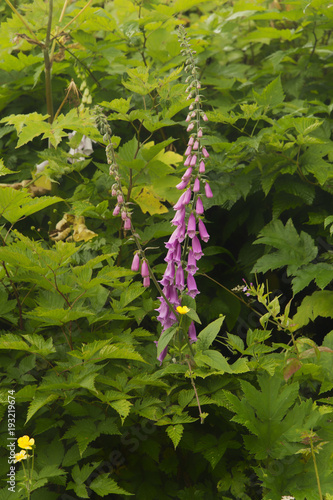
(38, 402)
(292, 250)
(320, 303)
(122, 407)
(104, 485)
(272, 95)
(175, 433)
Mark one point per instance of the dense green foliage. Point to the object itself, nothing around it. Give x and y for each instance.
(78, 329)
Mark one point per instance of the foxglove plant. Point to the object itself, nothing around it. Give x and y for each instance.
(184, 246)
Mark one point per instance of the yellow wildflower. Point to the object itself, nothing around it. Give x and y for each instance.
(25, 442)
(20, 456)
(182, 309)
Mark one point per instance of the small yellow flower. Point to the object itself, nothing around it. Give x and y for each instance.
(25, 442)
(182, 309)
(20, 456)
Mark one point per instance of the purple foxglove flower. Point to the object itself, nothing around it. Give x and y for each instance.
(120, 198)
(192, 333)
(123, 214)
(170, 271)
(196, 185)
(174, 300)
(187, 174)
(182, 185)
(169, 255)
(146, 281)
(191, 225)
(193, 161)
(116, 210)
(208, 191)
(204, 117)
(180, 280)
(191, 107)
(203, 231)
(135, 262)
(127, 224)
(177, 253)
(191, 267)
(200, 132)
(180, 203)
(202, 167)
(196, 145)
(190, 127)
(188, 151)
(197, 99)
(205, 152)
(187, 196)
(180, 233)
(188, 118)
(163, 354)
(113, 192)
(196, 247)
(191, 286)
(199, 207)
(144, 269)
(198, 85)
(191, 141)
(187, 161)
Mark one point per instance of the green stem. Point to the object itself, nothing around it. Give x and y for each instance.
(48, 66)
(316, 469)
(196, 392)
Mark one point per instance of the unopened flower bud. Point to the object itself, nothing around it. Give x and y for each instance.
(135, 262)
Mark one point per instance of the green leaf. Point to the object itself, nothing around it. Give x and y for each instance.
(4, 170)
(103, 485)
(292, 250)
(16, 204)
(38, 402)
(175, 433)
(320, 303)
(122, 406)
(165, 338)
(208, 334)
(272, 95)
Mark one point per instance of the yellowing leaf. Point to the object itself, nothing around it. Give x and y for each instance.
(148, 201)
(43, 182)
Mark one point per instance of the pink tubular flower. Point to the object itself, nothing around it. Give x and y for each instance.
(179, 218)
(146, 281)
(204, 117)
(202, 167)
(187, 161)
(187, 197)
(192, 333)
(190, 127)
(180, 280)
(163, 354)
(144, 269)
(116, 210)
(205, 152)
(191, 141)
(120, 198)
(196, 185)
(188, 150)
(127, 224)
(199, 207)
(135, 262)
(203, 231)
(199, 134)
(124, 214)
(191, 225)
(182, 185)
(191, 267)
(191, 286)
(195, 145)
(193, 160)
(196, 247)
(208, 191)
(187, 174)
